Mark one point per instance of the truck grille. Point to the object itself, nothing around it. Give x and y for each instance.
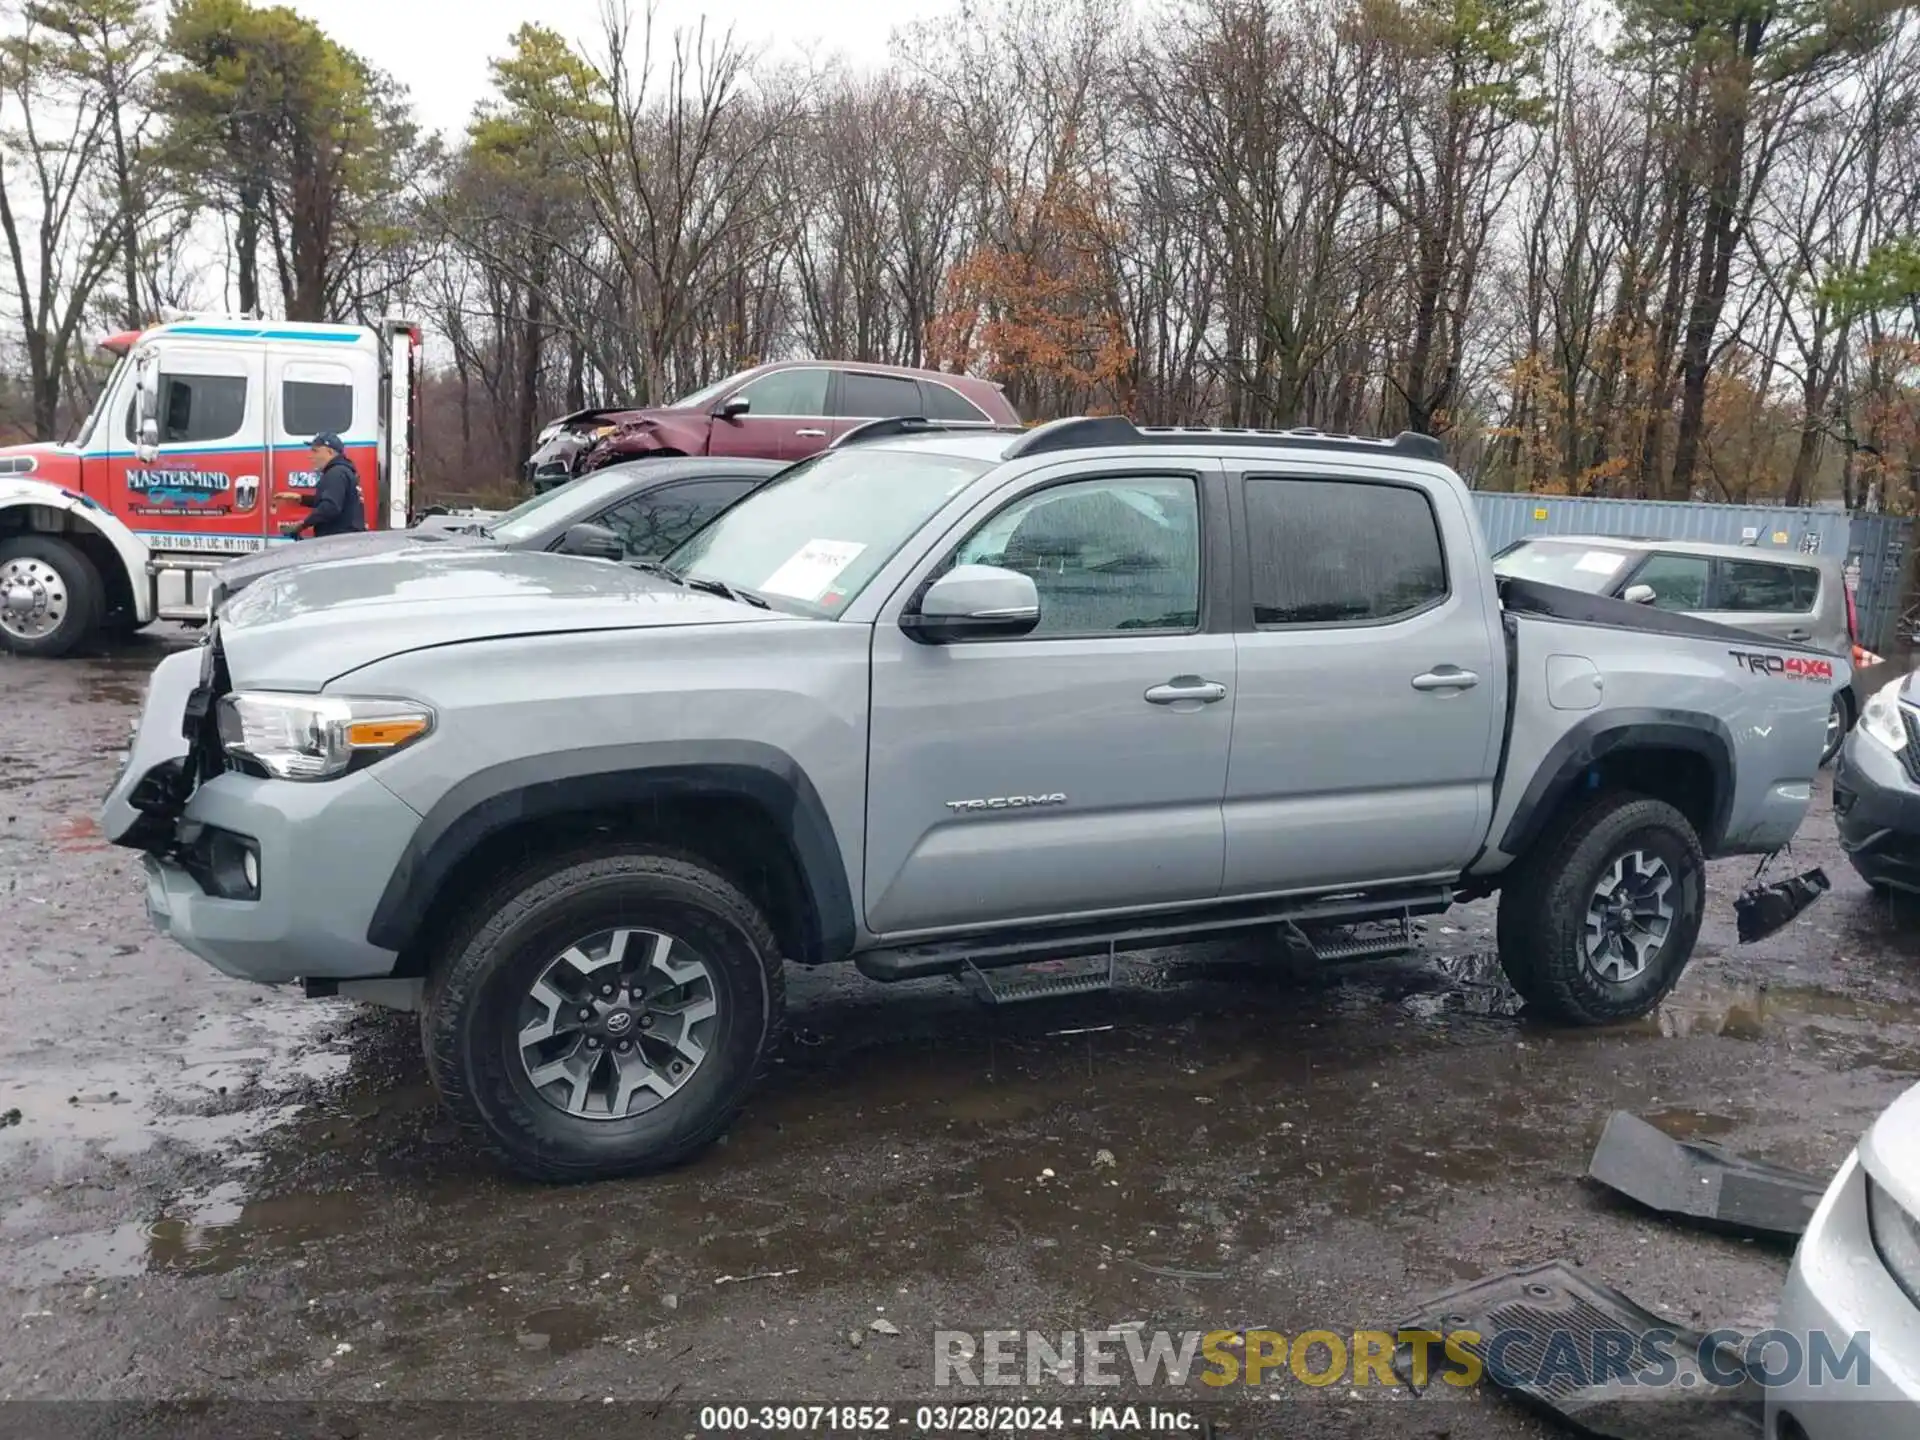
(1910, 752)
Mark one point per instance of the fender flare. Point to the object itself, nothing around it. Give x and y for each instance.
(88, 515)
(605, 777)
(1576, 752)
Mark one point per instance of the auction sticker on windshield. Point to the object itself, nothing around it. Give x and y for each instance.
(812, 569)
(1599, 562)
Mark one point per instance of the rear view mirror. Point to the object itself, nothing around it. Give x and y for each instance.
(974, 602)
(1639, 595)
(596, 542)
(733, 407)
(146, 383)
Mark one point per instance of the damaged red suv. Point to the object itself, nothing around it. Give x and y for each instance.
(783, 411)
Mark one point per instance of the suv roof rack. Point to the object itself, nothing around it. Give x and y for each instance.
(891, 425)
(1089, 432)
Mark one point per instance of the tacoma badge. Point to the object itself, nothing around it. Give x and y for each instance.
(1007, 802)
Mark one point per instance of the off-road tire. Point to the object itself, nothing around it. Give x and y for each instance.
(484, 968)
(1541, 931)
(86, 595)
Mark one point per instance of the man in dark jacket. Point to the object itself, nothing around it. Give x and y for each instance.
(334, 502)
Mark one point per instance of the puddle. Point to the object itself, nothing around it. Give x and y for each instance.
(558, 1330)
(1748, 1012)
(209, 1233)
(208, 1081)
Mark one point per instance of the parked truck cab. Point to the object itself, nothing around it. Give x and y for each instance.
(201, 424)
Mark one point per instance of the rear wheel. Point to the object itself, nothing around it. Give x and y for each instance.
(51, 596)
(1600, 922)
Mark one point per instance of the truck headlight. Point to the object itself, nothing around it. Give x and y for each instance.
(316, 737)
(1880, 717)
(1896, 1239)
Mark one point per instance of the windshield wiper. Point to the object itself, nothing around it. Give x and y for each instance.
(726, 591)
(654, 567)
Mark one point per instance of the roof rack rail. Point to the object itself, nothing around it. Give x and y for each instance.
(1088, 432)
(892, 425)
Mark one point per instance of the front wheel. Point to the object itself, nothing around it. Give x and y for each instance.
(1598, 925)
(51, 596)
(608, 1017)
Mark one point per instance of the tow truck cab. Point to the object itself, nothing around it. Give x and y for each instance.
(202, 422)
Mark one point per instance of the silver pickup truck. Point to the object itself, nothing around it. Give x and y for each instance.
(939, 701)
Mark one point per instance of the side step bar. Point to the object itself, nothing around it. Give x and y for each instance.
(998, 951)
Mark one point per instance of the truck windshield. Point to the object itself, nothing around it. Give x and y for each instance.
(1569, 564)
(100, 403)
(810, 539)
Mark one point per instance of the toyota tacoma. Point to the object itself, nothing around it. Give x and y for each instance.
(939, 702)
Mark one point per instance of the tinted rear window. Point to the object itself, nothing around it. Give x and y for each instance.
(1760, 586)
(1334, 552)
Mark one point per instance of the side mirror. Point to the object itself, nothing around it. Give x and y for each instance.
(1639, 595)
(974, 602)
(733, 407)
(146, 392)
(594, 541)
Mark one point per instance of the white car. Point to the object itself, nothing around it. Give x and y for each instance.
(1852, 1303)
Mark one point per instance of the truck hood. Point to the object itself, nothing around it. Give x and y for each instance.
(236, 575)
(299, 628)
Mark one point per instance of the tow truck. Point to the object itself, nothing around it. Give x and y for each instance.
(203, 422)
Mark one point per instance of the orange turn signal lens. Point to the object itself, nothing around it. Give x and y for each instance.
(385, 734)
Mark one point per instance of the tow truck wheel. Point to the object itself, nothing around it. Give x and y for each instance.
(605, 1013)
(51, 596)
(1599, 922)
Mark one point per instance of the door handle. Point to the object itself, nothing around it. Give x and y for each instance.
(1186, 687)
(812, 434)
(1446, 677)
(1799, 634)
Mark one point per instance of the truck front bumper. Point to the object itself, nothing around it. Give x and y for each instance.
(321, 854)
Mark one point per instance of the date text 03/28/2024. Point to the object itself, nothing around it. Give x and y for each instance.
(946, 1419)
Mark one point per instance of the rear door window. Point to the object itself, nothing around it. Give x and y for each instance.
(1757, 587)
(874, 397)
(1679, 581)
(1342, 552)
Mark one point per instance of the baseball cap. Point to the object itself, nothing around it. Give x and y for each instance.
(331, 441)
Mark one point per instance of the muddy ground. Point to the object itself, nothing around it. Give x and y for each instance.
(217, 1192)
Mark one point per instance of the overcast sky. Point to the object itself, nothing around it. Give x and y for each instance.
(440, 48)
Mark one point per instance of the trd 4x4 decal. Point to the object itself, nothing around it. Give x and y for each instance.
(1794, 667)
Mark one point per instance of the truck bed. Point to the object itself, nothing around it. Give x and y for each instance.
(1585, 674)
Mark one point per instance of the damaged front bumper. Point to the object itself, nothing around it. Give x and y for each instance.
(266, 880)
